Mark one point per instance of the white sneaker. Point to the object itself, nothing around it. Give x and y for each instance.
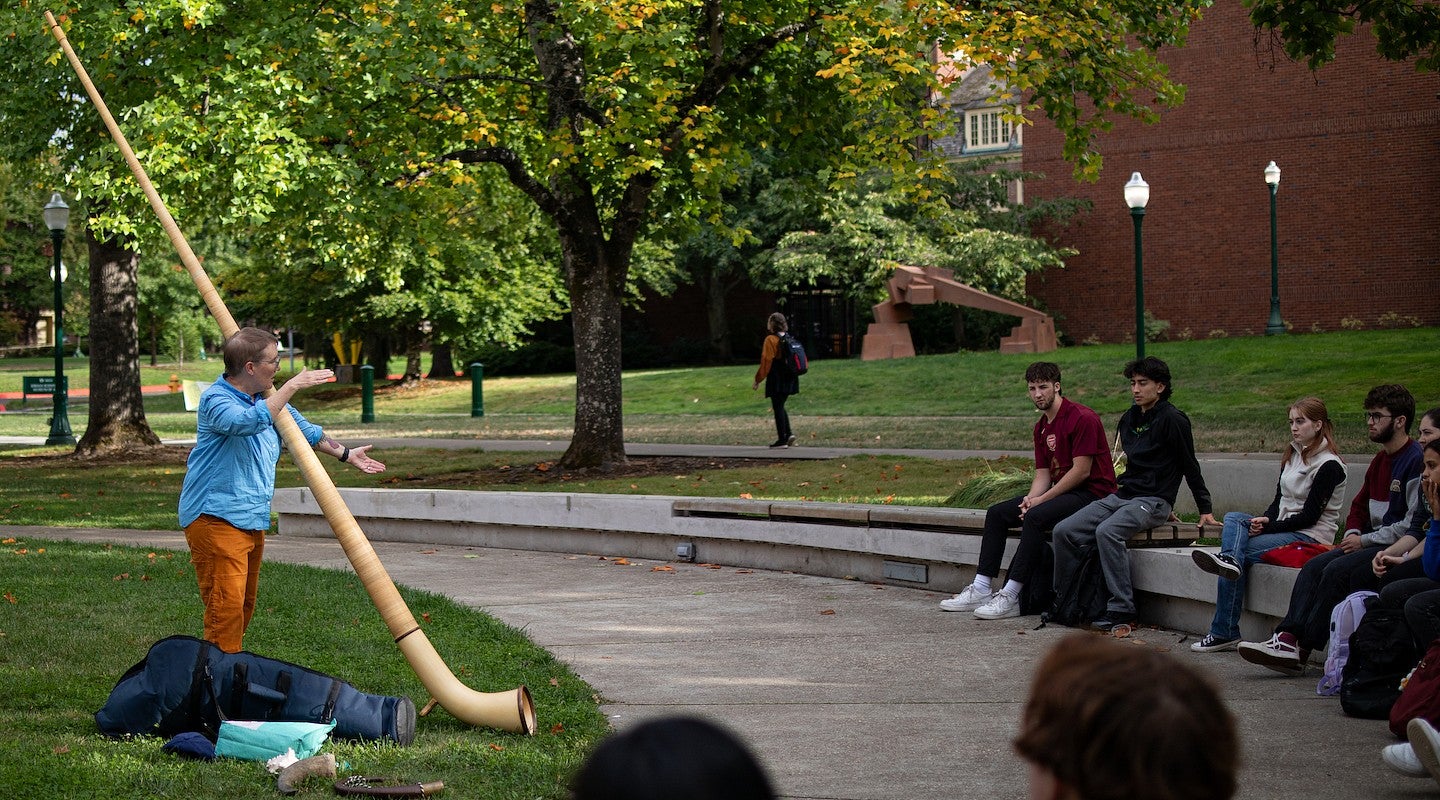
(1000, 606)
(968, 600)
(1401, 758)
(1425, 743)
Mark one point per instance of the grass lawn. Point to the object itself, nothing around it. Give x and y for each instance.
(1234, 390)
(76, 616)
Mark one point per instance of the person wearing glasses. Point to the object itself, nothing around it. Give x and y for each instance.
(230, 477)
(1380, 514)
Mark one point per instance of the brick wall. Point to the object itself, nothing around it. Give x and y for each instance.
(1358, 144)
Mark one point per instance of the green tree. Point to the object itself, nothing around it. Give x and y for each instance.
(1308, 29)
(616, 120)
(867, 229)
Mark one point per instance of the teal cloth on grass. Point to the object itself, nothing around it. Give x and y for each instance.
(262, 741)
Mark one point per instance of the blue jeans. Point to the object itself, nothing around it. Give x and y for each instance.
(1236, 542)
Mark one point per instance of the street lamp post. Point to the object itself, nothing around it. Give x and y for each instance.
(1137, 195)
(1275, 325)
(57, 218)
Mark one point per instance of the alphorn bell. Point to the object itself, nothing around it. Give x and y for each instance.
(513, 710)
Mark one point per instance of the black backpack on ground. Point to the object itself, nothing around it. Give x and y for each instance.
(1382, 652)
(790, 361)
(1080, 597)
(1037, 595)
(186, 684)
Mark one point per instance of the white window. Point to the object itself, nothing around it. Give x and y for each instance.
(987, 129)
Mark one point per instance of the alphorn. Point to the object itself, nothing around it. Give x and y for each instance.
(513, 710)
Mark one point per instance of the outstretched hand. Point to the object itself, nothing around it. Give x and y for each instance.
(360, 459)
(306, 378)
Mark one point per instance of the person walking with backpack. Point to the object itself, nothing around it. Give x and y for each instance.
(779, 375)
(1306, 508)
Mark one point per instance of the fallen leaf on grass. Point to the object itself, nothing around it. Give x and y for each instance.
(497, 748)
(61, 750)
(425, 616)
(746, 496)
(122, 576)
(11, 540)
(11, 598)
(543, 466)
(22, 551)
(557, 729)
(554, 681)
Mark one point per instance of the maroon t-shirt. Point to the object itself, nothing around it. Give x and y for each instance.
(1075, 431)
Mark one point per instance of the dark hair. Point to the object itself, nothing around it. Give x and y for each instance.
(1433, 444)
(1115, 721)
(244, 346)
(1152, 368)
(1042, 371)
(672, 757)
(1395, 399)
(776, 323)
(1433, 414)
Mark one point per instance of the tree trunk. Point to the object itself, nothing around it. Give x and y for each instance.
(414, 346)
(442, 363)
(714, 288)
(599, 437)
(117, 409)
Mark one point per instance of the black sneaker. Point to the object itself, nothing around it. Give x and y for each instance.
(1111, 620)
(778, 444)
(790, 440)
(1216, 564)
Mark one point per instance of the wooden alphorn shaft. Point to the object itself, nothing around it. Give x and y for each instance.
(513, 710)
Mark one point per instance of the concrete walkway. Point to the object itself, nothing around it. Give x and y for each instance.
(845, 689)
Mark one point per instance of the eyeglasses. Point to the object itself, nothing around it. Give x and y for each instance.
(274, 362)
(1374, 417)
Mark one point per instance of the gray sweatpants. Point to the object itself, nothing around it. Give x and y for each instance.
(1107, 524)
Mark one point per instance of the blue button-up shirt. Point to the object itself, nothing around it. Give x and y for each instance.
(231, 472)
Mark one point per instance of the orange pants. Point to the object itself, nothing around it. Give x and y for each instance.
(227, 567)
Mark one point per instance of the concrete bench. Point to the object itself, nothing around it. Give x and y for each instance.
(932, 548)
(920, 518)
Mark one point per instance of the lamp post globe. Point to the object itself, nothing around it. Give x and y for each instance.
(1275, 326)
(57, 218)
(1137, 196)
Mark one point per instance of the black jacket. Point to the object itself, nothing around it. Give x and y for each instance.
(1159, 451)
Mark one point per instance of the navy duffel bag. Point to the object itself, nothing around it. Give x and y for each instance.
(188, 685)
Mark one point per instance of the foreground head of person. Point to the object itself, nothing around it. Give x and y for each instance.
(671, 758)
(1107, 720)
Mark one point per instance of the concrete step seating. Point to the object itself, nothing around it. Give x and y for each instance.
(924, 547)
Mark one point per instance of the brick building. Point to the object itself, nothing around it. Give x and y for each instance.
(1358, 143)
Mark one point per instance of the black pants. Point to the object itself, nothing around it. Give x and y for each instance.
(1323, 582)
(1034, 532)
(1420, 597)
(782, 420)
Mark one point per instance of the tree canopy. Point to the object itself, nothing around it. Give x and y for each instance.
(1309, 29)
(315, 123)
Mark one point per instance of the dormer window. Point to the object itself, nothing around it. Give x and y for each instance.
(987, 129)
